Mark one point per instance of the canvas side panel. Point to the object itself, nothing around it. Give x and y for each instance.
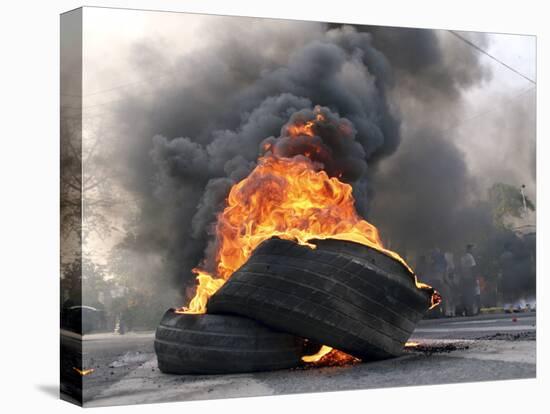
(71, 206)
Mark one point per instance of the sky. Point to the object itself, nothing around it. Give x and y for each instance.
(107, 46)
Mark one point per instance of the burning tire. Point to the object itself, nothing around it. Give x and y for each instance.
(221, 344)
(341, 294)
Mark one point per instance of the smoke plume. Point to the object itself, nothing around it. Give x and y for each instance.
(207, 131)
(388, 95)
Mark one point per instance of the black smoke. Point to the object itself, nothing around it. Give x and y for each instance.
(395, 91)
(195, 139)
(332, 143)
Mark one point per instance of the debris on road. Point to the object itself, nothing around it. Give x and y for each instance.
(437, 347)
(520, 336)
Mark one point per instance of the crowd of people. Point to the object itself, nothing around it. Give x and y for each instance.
(455, 278)
(503, 276)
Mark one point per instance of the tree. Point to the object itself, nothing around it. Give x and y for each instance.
(87, 193)
(507, 201)
(87, 186)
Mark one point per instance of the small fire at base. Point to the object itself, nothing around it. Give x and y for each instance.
(317, 356)
(329, 357)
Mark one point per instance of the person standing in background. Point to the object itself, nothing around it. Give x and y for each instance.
(477, 295)
(467, 280)
(450, 282)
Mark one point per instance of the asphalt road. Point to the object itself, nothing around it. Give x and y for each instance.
(482, 348)
(476, 327)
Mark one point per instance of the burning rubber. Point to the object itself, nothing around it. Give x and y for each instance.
(341, 294)
(222, 344)
(292, 253)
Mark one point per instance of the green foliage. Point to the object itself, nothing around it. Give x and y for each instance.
(507, 201)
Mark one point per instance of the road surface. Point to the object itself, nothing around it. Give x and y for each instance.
(475, 327)
(465, 349)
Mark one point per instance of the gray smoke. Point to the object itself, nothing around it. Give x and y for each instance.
(395, 91)
(333, 144)
(427, 194)
(432, 64)
(208, 127)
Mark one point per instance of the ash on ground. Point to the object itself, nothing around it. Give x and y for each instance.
(436, 348)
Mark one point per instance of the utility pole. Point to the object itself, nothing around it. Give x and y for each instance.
(523, 199)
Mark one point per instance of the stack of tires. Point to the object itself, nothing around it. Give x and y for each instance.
(341, 294)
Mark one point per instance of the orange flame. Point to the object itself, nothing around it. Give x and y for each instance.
(318, 355)
(327, 356)
(207, 286)
(305, 128)
(287, 198)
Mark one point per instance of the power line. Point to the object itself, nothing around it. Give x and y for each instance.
(491, 56)
(105, 103)
(82, 107)
(125, 85)
(484, 113)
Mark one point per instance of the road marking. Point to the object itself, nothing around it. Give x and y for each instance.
(99, 336)
(479, 329)
(485, 321)
(115, 336)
